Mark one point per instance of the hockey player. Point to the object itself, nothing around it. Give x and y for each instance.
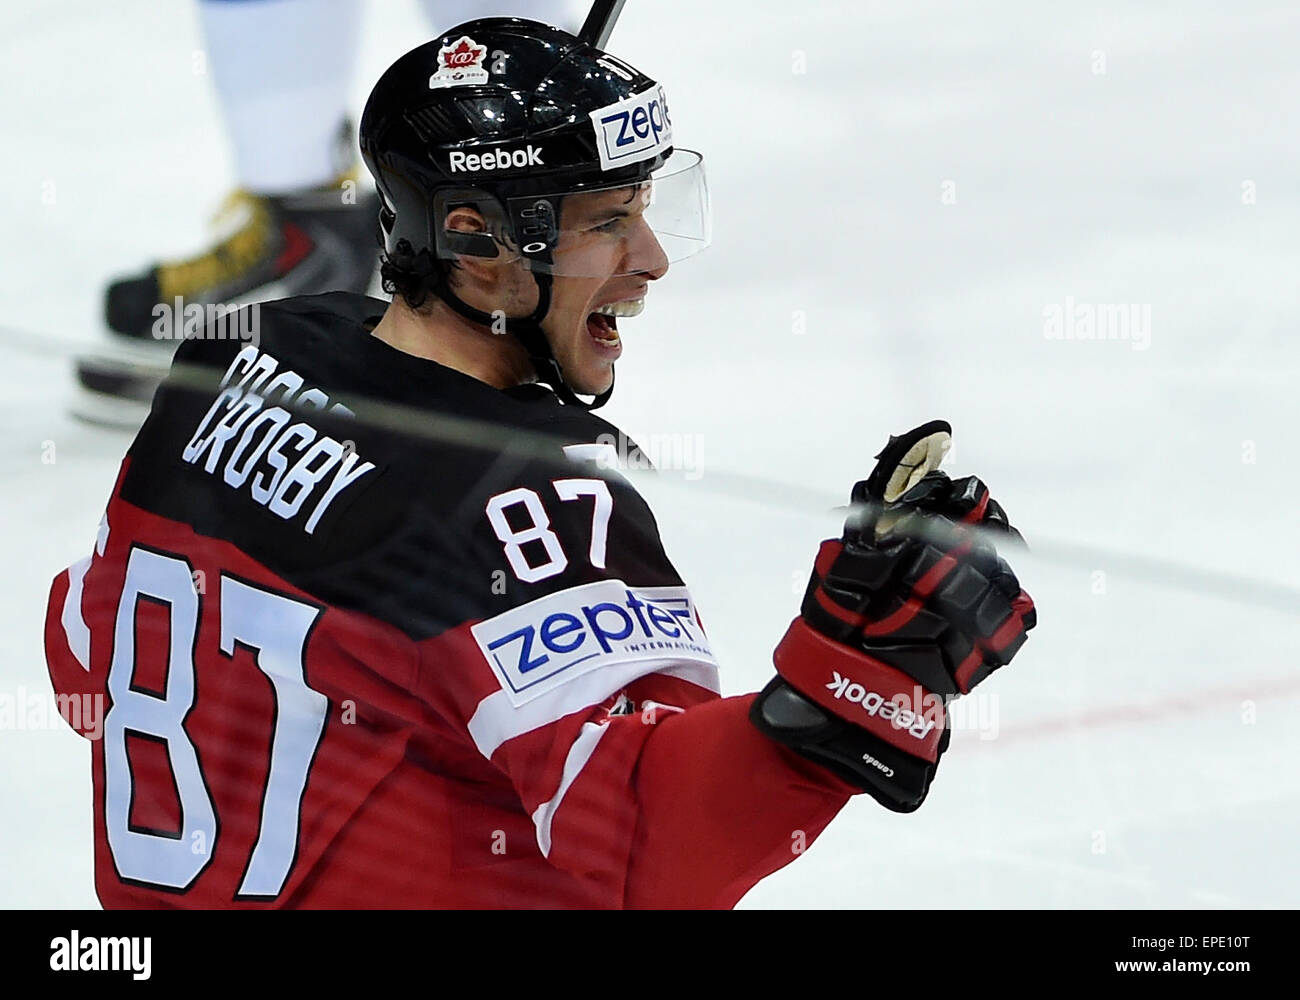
(377, 629)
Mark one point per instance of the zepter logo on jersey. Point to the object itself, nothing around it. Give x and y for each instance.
(555, 639)
(635, 129)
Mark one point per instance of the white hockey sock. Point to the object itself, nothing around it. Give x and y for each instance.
(566, 14)
(282, 69)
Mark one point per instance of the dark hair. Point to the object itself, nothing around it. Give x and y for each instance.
(416, 279)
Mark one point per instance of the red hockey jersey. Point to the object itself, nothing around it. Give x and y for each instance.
(361, 631)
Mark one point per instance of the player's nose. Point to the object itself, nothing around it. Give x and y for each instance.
(646, 254)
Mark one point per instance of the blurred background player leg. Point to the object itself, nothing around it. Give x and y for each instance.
(296, 222)
(566, 14)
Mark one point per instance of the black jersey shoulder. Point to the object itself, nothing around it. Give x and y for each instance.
(364, 475)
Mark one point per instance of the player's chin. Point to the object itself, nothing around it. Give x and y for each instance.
(589, 378)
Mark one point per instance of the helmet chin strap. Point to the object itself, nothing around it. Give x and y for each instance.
(528, 331)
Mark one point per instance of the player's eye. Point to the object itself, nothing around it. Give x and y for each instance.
(612, 226)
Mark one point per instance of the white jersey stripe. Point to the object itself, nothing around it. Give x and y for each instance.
(74, 623)
(496, 720)
(583, 747)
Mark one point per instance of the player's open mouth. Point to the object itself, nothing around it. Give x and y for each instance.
(602, 324)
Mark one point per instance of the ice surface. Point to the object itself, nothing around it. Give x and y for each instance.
(1144, 751)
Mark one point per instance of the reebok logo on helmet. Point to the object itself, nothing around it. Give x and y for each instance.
(500, 159)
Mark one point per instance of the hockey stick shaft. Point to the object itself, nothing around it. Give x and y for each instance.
(782, 495)
(600, 22)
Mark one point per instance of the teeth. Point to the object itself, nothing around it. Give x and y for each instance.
(605, 333)
(628, 307)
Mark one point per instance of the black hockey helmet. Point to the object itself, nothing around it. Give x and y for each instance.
(511, 116)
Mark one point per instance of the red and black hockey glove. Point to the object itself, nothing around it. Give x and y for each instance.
(909, 609)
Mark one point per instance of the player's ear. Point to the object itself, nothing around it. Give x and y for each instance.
(480, 270)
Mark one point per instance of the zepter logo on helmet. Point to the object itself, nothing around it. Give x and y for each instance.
(634, 129)
(565, 150)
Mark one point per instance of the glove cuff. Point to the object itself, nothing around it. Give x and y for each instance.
(898, 781)
(862, 691)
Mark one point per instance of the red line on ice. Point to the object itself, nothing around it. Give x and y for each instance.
(1277, 687)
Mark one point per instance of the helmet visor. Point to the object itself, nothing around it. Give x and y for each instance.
(619, 229)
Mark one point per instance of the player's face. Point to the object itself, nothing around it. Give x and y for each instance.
(606, 239)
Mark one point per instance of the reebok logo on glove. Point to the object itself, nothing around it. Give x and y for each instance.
(875, 704)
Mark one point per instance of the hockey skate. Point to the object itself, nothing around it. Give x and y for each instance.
(267, 247)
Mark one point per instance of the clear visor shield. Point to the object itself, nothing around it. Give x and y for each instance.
(618, 230)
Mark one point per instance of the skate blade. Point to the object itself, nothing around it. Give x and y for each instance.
(117, 391)
(103, 410)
